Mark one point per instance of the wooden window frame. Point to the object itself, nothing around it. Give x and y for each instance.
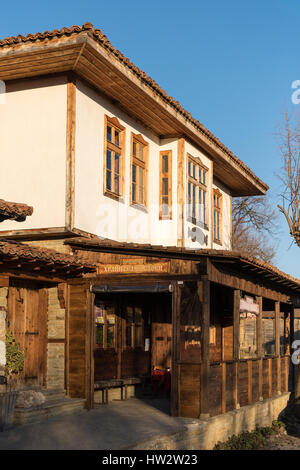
(199, 185)
(134, 160)
(219, 210)
(105, 323)
(161, 177)
(132, 327)
(114, 123)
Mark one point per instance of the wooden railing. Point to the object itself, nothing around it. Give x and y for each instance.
(244, 382)
(231, 384)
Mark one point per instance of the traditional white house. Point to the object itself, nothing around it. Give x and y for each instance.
(124, 177)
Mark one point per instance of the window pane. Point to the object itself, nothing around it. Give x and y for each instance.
(165, 164)
(117, 184)
(117, 163)
(165, 186)
(110, 331)
(134, 149)
(133, 192)
(108, 133)
(194, 171)
(117, 137)
(141, 152)
(129, 321)
(194, 202)
(189, 170)
(99, 325)
(165, 206)
(108, 159)
(141, 185)
(134, 173)
(108, 180)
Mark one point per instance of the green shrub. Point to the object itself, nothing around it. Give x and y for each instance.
(251, 440)
(14, 356)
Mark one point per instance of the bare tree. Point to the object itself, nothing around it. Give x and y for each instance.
(253, 219)
(288, 135)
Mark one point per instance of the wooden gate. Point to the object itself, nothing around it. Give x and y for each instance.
(27, 319)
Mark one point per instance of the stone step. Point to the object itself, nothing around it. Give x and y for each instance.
(53, 394)
(47, 410)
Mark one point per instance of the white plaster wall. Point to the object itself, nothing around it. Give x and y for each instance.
(226, 217)
(33, 150)
(101, 215)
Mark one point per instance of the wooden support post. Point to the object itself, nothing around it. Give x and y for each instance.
(294, 368)
(249, 382)
(175, 392)
(205, 366)
(236, 324)
(277, 348)
(223, 405)
(270, 377)
(259, 350)
(236, 341)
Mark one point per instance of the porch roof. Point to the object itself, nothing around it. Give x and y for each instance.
(235, 259)
(14, 211)
(24, 259)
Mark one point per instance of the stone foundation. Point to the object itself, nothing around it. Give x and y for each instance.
(204, 434)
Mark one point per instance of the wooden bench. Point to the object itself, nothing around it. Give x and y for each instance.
(105, 385)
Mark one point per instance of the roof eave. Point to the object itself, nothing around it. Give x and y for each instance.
(82, 53)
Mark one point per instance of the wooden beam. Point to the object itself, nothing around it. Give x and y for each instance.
(180, 190)
(70, 158)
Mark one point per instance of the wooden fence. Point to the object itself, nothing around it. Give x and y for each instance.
(232, 384)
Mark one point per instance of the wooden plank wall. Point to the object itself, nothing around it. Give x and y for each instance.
(189, 390)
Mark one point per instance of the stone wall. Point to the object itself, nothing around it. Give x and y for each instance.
(56, 331)
(204, 434)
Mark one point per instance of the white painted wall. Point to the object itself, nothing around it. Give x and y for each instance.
(33, 150)
(99, 214)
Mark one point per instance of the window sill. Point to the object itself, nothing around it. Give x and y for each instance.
(116, 197)
(218, 242)
(140, 207)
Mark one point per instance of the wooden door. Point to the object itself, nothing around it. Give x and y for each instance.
(27, 319)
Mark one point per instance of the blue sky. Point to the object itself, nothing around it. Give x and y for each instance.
(231, 64)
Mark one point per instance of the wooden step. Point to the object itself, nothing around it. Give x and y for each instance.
(52, 407)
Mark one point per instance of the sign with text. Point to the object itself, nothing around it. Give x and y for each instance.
(133, 268)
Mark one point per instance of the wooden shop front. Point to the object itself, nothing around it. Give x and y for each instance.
(220, 321)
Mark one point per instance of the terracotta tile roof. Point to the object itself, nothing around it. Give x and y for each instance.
(13, 210)
(106, 44)
(184, 253)
(11, 251)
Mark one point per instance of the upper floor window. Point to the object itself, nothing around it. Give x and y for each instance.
(197, 190)
(217, 199)
(114, 157)
(139, 169)
(165, 185)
